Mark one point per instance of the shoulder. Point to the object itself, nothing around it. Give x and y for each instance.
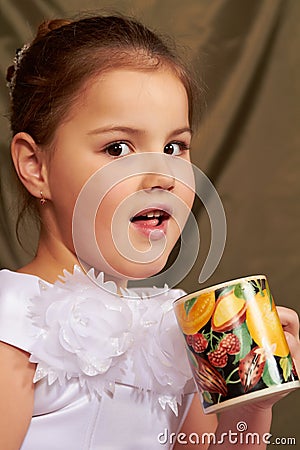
(8, 277)
(16, 287)
(16, 291)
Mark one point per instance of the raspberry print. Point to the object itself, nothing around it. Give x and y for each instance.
(199, 343)
(231, 344)
(218, 358)
(189, 339)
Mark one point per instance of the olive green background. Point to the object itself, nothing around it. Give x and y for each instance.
(248, 54)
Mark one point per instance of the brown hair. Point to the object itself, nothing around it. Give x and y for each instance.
(65, 54)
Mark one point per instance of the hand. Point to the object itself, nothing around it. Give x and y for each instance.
(290, 322)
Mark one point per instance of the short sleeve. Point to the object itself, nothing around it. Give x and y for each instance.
(16, 290)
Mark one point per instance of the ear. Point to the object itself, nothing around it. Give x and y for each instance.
(29, 162)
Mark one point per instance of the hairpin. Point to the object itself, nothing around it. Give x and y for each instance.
(17, 61)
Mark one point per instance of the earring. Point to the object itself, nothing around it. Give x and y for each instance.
(42, 199)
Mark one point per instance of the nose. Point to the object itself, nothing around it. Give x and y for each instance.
(157, 172)
(158, 181)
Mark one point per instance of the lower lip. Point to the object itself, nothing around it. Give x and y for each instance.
(152, 232)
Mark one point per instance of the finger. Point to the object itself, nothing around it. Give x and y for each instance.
(294, 346)
(290, 323)
(289, 320)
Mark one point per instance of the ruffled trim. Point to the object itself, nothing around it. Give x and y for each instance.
(86, 331)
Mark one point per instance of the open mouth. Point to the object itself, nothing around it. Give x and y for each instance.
(150, 217)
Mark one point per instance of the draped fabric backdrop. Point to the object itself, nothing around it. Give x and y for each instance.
(247, 53)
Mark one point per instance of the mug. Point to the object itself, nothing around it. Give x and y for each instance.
(235, 343)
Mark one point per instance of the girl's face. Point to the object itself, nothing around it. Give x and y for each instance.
(120, 114)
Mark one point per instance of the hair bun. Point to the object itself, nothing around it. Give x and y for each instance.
(44, 28)
(50, 25)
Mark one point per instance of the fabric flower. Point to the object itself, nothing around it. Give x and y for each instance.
(84, 332)
(160, 362)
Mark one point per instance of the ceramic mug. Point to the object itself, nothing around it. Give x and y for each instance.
(235, 343)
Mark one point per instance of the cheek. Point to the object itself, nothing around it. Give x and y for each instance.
(113, 207)
(93, 236)
(112, 219)
(65, 185)
(188, 196)
(65, 182)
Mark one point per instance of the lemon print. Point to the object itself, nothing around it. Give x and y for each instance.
(264, 325)
(229, 312)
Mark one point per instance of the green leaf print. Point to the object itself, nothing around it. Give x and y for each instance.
(207, 397)
(286, 364)
(189, 304)
(239, 291)
(270, 375)
(269, 295)
(192, 358)
(245, 339)
(225, 291)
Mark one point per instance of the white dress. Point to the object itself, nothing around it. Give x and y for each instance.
(112, 373)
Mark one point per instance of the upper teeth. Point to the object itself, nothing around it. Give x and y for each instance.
(152, 214)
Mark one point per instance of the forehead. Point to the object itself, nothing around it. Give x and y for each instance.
(123, 88)
(154, 103)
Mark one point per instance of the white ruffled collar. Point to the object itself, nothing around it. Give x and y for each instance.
(86, 331)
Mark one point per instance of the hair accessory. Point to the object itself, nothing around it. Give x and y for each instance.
(42, 200)
(17, 61)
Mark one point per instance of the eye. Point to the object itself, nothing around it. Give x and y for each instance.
(117, 149)
(175, 148)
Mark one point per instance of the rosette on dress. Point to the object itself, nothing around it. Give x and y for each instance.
(159, 359)
(85, 330)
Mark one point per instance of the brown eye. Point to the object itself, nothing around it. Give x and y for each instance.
(175, 148)
(117, 149)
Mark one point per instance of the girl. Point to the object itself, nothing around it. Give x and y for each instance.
(102, 117)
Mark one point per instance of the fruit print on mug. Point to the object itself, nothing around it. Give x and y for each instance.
(235, 343)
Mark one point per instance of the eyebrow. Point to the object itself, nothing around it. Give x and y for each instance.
(135, 131)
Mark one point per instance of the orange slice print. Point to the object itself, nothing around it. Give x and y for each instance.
(193, 314)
